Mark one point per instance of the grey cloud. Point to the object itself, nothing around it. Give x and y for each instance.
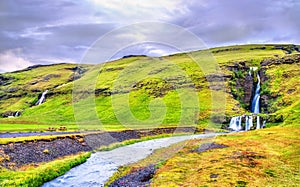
(63, 30)
(218, 22)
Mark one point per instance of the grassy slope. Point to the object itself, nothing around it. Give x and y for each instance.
(36, 175)
(268, 157)
(165, 81)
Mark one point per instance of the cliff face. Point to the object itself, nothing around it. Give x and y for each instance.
(242, 83)
(279, 84)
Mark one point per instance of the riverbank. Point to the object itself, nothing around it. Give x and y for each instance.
(35, 160)
(45, 148)
(266, 157)
(102, 165)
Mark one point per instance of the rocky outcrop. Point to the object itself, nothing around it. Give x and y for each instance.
(5, 80)
(241, 83)
(10, 113)
(288, 49)
(78, 72)
(285, 60)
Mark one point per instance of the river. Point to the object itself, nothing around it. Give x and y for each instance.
(101, 165)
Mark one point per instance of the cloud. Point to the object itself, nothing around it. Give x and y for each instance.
(223, 22)
(11, 60)
(64, 29)
(128, 11)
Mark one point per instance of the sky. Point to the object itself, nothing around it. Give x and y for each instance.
(63, 31)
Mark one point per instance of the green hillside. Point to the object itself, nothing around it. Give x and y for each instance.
(202, 88)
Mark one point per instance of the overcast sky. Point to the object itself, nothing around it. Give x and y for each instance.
(62, 31)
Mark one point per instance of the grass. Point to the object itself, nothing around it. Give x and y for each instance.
(147, 91)
(37, 138)
(32, 175)
(157, 158)
(268, 157)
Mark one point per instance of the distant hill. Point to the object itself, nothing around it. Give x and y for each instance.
(202, 88)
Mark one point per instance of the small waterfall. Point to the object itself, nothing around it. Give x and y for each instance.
(249, 123)
(251, 70)
(17, 114)
(236, 123)
(247, 126)
(255, 107)
(264, 124)
(258, 122)
(42, 98)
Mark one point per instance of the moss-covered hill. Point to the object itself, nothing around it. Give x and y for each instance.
(139, 92)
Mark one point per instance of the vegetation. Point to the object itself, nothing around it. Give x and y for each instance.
(267, 157)
(37, 138)
(136, 92)
(144, 92)
(36, 175)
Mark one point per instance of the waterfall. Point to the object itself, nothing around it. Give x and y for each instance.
(258, 122)
(251, 70)
(236, 123)
(264, 123)
(255, 102)
(42, 99)
(249, 123)
(17, 114)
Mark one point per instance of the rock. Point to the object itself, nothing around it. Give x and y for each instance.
(213, 176)
(8, 113)
(208, 146)
(11, 90)
(50, 76)
(221, 119)
(129, 56)
(139, 177)
(5, 80)
(284, 60)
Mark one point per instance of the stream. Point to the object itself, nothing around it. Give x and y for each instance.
(101, 165)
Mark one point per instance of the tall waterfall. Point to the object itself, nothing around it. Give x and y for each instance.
(42, 98)
(255, 107)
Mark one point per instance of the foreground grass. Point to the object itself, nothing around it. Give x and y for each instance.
(37, 138)
(35, 176)
(268, 157)
(158, 158)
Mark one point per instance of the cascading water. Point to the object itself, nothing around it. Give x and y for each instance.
(249, 123)
(17, 114)
(255, 107)
(42, 99)
(236, 122)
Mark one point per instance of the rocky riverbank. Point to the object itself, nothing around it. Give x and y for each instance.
(14, 155)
